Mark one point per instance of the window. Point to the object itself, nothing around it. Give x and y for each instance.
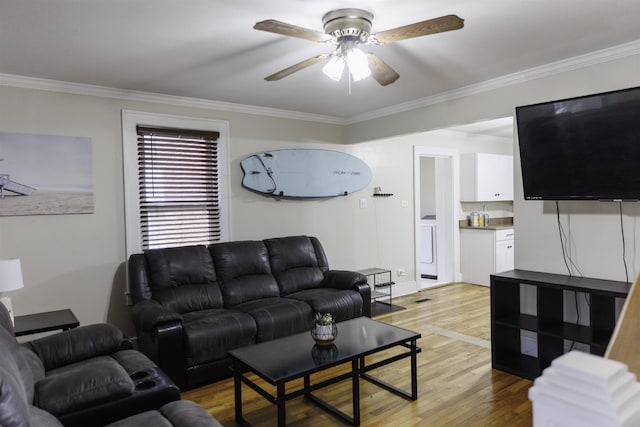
(178, 187)
(175, 181)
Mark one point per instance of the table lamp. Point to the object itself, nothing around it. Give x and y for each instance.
(10, 280)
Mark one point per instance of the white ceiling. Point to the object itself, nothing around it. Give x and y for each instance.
(207, 49)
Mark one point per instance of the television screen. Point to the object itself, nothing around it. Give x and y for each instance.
(585, 148)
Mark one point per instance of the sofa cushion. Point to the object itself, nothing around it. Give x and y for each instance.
(133, 361)
(149, 418)
(31, 372)
(182, 413)
(41, 418)
(19, 367)
(185, 413)
(75, 345)
(186, 298)
(14, 408)
(183, 278)
(209, 334)
(342, 304)
(80, 385)
(278, 317)
(244, 271)
(296, 263)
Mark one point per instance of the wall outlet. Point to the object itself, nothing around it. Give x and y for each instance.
(401, 272)
(363, 203)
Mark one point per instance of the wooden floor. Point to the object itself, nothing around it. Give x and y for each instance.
(457, 386)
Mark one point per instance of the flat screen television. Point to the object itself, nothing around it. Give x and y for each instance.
(584, 148)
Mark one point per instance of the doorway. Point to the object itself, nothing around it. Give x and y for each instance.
(438, 170)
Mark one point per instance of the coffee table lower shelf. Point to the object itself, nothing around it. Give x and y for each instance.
(353, 356)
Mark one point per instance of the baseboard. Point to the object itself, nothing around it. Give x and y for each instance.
(404, 288)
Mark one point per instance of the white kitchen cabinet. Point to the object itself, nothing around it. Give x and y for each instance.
(484, 252)
(504, 255)
(486, 177)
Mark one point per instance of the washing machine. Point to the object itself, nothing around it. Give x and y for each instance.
(428, 248)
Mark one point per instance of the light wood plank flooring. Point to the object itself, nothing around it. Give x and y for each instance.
(457, 386)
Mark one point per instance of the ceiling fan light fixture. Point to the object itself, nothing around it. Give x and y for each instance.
(348, 28)
(352, 23)
(334, 68)
(358, 64)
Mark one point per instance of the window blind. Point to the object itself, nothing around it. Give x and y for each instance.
(178, 182)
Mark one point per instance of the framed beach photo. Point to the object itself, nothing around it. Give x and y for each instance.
(45, 174)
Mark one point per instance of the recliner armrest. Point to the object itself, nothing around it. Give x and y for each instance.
(365, 291)
(342, 279)
(77, 344)
(149, 314)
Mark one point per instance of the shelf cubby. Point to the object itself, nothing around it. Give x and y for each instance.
(552, 332)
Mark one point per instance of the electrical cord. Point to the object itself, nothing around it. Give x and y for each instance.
(562, 239)
(575, 298)
(569, 245)
(565, 244)
(624, 246)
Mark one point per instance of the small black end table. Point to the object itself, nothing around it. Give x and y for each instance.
(45, 322)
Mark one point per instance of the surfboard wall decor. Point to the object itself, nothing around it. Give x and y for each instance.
(302, 172)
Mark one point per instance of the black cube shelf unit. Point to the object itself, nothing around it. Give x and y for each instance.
(548, 324)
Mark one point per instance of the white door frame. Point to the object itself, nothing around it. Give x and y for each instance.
(447, 208)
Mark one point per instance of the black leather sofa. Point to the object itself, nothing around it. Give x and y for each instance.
(192, 304)
(86, 377)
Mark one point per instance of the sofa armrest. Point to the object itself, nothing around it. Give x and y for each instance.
(149, 314)
(342, 279)
(160, 337)
(78, 344)
(365, 291)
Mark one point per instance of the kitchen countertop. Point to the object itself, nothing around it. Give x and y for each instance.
(489, 227)
(494, 224)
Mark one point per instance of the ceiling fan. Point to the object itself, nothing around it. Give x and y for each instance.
(348, 29)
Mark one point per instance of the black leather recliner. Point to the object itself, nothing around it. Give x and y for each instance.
(193, 304)
(86, 377)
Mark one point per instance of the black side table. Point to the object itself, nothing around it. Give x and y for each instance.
(44, 322)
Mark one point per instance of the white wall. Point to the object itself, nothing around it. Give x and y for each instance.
(387, 227)
(594, 227)
(77, 261)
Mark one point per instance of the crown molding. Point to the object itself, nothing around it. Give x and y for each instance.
(134, 95)
(589, 59)
(576, 62)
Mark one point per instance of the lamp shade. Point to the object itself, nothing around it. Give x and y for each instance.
(10, 275)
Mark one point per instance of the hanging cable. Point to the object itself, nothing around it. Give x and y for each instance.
(624, 247)
(569, 243)
(575, 298)
(562, 239)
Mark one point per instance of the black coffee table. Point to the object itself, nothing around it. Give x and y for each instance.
(296, 356)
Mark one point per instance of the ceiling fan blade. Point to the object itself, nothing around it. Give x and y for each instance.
(380, 71)
(297, 67)
(431, 26)
(278, 27)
